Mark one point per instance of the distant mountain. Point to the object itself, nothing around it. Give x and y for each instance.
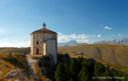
(70, 43)
(123, 41)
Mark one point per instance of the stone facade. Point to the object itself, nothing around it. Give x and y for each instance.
(44, 43)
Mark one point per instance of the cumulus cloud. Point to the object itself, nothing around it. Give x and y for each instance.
(99, 35)
(80, 38)
(117, 35)
(62, 38)
(108, 28)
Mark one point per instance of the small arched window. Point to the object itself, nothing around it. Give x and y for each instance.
(37, 42)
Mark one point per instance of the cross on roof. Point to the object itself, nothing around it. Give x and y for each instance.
(44, 26)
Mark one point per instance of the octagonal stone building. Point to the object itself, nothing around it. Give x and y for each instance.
(44, 43)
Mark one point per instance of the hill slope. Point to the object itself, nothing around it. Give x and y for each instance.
(12, 50)
(114, 55)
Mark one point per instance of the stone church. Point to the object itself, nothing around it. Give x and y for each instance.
(44, 43)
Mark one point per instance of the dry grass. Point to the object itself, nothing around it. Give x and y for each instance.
(114, 55)
(5, 67)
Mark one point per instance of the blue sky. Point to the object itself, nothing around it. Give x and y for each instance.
(81, 20)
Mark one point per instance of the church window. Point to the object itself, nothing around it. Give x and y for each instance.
(37, 51)
(37, 42)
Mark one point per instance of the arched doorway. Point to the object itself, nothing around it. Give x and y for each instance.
(37, 51)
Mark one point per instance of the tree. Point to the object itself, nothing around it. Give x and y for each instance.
(90, 68)
(99, 69)
(70, 79)
(73, 68)
(83, 74)
(60, 74)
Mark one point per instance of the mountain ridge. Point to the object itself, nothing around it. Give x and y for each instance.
(123, 41)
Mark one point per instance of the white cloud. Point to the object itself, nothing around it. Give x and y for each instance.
(80, 38)
(99, 35)
(108, 28)
(7, 43)
(119, 35)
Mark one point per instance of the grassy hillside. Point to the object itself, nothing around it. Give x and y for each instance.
(4, 68)
(12, 50)
(12, 62)
(113, 55)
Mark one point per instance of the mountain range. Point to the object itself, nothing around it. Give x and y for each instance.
(69, 43)
(123, 41)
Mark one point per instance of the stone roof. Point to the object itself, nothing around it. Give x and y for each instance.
(44, 30)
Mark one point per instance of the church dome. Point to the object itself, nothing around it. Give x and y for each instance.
(44, 30)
